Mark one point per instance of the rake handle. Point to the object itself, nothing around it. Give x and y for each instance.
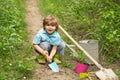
(85, 52)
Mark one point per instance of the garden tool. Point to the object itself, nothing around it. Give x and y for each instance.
(103, 73)
(86, 75)
(83, 75)
(74, 53)
(54, 66)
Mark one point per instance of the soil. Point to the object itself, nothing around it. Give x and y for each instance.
(42, 71)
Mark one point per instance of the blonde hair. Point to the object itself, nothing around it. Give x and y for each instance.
(51, 20)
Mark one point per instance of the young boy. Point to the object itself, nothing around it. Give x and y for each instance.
(48, 41)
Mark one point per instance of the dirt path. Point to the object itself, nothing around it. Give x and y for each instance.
(43, 72)
(33, 18)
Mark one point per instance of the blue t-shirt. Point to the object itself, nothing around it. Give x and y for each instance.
(43, 36)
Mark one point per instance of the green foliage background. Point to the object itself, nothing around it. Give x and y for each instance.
(16, 62)
(89, 19)
(83, 19)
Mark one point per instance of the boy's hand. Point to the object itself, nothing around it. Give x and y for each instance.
(49, 59)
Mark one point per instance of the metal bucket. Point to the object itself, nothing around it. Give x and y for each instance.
(91, 46)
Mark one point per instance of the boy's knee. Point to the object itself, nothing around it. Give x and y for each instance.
(62, 45)
(45, 46)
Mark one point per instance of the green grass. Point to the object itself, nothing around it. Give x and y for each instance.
(16, 60)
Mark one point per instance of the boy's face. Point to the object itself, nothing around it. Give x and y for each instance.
(50, 28)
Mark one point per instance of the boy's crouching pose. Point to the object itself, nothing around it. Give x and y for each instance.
(48, 42)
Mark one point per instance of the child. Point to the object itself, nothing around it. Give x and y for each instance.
(48, 41)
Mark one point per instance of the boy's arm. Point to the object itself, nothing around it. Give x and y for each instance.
(43, 52)
(40, 50)
(53, 51)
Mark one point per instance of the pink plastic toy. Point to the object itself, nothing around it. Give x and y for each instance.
(80, 68)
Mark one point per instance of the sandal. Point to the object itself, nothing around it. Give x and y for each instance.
(41, 59)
